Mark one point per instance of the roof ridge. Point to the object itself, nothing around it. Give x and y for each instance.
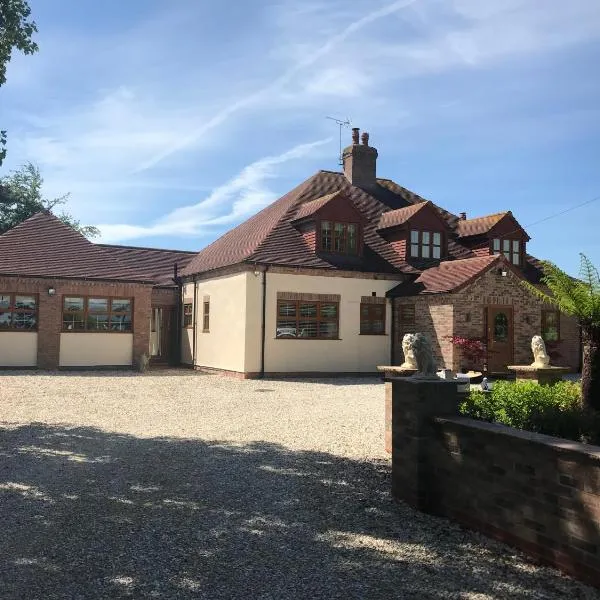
(496, 214)
(144, 248)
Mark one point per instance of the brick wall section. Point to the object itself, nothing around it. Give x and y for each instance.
(469, 320)
(434, 317)
(535, 492)
(50, 310)
(164, 296)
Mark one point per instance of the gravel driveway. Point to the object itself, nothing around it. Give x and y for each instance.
(175, 484)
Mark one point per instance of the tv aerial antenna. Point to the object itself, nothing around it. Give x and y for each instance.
(341, 124)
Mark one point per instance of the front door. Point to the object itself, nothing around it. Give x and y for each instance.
(160, 334)
(499, 338)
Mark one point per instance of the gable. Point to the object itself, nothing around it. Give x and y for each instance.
(508, 226)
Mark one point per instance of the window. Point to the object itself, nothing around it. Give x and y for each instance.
(425, 244)
(188, 315)
(406, 314)
(18, 312)
(299, 319)
(206, 316)
(372, 319)
(339, 237)
(510, 248)
(550, 325)
(109, 315)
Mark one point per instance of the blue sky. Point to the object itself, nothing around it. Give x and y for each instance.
(169, 123)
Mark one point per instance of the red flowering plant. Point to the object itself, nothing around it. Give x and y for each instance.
(473, 352)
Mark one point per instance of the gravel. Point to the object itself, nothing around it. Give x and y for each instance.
(174, 484)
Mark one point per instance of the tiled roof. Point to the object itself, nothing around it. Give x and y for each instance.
(270, 237)
(157, 263)
(310, 208)
(44, 246)
(399, 216)
(479, 225)
(448, 276)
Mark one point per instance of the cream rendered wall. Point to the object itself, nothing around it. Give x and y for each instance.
(352, 353)
(224, 346)
(18, 349)
(95, 349)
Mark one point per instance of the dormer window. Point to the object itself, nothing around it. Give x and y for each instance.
(510, 248)
(337, 237)
(425, 244)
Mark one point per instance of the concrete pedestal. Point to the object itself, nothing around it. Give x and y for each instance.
(542, 375)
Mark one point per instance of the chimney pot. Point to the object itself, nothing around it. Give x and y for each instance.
(463, 216)
(360, 161)
(355, 134)
(365, 138)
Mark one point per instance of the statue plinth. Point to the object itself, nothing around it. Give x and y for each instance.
(544, 375)
(397, 371)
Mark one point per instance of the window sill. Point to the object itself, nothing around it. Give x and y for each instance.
(95, 331)
(308, 339)
(206, 331)
(6, 330)
(376, 334)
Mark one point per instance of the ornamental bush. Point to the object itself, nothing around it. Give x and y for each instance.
(551, 409)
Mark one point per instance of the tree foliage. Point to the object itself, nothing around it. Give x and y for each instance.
(16, 31)
(21, 197)
(579, 298)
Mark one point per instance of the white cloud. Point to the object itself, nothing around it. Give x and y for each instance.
(240, 197)
(309, 59)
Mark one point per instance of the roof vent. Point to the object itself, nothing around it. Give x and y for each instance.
(463, 216)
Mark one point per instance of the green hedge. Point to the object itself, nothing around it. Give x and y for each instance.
(550, 409)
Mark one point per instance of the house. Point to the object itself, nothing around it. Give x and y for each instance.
(68, 303)
(326, 280)
(329, 278)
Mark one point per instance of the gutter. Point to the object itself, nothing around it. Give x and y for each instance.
(263, 332)
(195, 322)
(178, 316)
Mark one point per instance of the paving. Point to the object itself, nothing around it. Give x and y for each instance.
(174, 484)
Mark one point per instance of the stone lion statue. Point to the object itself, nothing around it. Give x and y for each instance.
(423, 353)
(540, 356)
(410, 362)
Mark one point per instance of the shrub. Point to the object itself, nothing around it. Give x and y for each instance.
(551, 409)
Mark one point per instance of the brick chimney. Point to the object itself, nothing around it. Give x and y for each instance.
(360, 161)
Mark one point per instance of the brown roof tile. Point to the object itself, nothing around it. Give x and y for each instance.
(448, 276)
(155, 262)
(310, 208)
(478, 225)
(270, 237)
(393, 218)
(44, 246)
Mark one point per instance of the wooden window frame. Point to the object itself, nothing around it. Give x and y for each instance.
(206, 315)
(20, 311)
(344, 237)
(511, 252)
(544, 324)
(430, 245)
(298, 318)
(85, 313)
(370, 319)
(188, 318)
(401, 314)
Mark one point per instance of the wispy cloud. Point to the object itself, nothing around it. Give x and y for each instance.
(310, 59)
(239, 197)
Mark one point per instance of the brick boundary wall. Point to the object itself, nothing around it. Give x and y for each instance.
(538, 493)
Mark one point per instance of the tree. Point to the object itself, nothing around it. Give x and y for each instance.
(581, 299)
(16, 30)
(21, 197)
